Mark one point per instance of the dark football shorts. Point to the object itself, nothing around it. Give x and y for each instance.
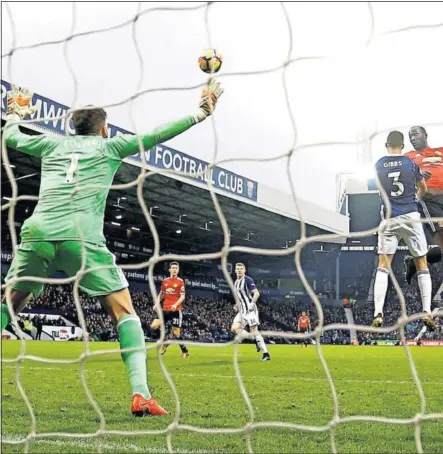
(431, 206)
(174, 317)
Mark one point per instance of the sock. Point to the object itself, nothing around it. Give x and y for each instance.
(434, 255)
(183, 348)
(380, 289)
(425, 286)
(261, 343)
(6, 318)
(131, 336)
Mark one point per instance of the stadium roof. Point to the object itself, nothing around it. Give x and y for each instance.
(184, 214)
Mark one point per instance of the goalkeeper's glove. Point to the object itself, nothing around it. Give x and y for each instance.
(209, 97)
(19, 102)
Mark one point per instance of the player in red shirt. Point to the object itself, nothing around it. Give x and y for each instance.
(430, 161)
(173, 294)
(304, 326)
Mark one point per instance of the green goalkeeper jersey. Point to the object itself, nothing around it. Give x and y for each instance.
(76, 175)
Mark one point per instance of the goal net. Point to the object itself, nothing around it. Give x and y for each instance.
(378, 79)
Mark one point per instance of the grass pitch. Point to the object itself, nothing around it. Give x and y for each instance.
(291, 388)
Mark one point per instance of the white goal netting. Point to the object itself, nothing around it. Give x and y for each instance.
(291, 60)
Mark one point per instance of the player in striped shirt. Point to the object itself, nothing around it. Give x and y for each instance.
(173, 295)
(65, 232)
(247, 297)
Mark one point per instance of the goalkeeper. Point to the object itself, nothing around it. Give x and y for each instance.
(64, 219)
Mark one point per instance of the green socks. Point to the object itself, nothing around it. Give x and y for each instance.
(5, 316)
(131, 336)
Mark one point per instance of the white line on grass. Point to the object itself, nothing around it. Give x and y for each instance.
(55, 368)
(107, 445)
(292, 378)
(295, 378)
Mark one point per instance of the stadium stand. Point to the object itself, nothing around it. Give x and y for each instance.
(209, 319)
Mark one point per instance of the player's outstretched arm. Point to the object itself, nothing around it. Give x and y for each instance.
(422, 188)
(19, 107)
(127, 145)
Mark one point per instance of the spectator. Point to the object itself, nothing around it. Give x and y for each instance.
(39, 326)
(27, 326)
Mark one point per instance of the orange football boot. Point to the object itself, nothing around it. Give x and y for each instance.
(143, 407)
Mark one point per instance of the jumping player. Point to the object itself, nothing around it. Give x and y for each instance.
(66, 227)
(304, 326)
(248, 295)
(400, 177)
(430, 161)
(173, 294)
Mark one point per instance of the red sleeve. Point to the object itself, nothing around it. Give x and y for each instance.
(163, 286)
(411, 155)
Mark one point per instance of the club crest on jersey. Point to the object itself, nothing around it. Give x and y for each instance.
(432, 159)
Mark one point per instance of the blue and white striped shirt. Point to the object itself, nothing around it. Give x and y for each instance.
(244, 287)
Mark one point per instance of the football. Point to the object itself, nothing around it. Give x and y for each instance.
(210, 61)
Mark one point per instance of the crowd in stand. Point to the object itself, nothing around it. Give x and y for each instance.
(209, 320)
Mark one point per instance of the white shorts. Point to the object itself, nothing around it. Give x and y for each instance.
(408, 228)
(250, 318)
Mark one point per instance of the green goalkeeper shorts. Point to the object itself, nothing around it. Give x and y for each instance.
(43, 258)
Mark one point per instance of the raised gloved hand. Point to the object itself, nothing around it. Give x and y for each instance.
(19, 102)
(209, 97)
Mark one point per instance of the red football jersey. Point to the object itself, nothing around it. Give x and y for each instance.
(430, 160)
(173, 288)
(303, 321)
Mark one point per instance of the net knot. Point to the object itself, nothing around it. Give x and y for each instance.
(418, 419)
(173, 426)
(335, 421)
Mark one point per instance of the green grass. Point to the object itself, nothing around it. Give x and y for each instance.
(291, 388)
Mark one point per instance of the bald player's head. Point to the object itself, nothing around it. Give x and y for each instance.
(418, 137)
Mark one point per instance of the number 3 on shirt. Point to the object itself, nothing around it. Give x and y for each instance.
(71, 169)
(397, 185)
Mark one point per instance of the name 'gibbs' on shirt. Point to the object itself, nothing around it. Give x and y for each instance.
(398, 177)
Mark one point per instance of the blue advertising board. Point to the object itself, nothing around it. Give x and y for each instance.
(160, 156)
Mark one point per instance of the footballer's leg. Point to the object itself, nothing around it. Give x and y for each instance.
(155, 325)
(237, 328)
(430, 207)
(252, 319)
(381, 288)
(109, 285)
(387, 246)
(415, 239)
(261, 342)
(119, 307)
(19, 300)
(32, 259)
(176, 331)
(304, 343)
(425, 286)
